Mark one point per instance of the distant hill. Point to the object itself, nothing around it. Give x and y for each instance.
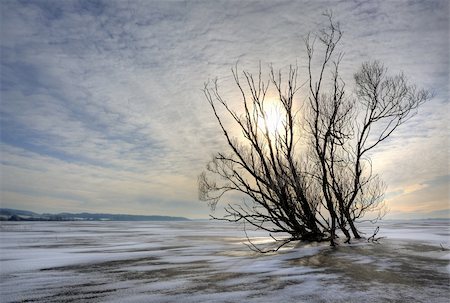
(8, 214)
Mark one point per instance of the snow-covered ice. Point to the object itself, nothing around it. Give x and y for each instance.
(207, 261)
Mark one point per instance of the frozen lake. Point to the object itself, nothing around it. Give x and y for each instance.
(208, 262)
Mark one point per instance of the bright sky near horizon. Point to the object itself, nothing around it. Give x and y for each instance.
(102, 108)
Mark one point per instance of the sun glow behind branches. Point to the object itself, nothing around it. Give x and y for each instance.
(273, 118)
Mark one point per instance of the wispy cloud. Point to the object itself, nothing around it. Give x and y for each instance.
(101, 102)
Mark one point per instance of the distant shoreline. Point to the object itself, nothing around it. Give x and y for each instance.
(15, 215)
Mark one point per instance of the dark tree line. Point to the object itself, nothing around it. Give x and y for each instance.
(312, 175)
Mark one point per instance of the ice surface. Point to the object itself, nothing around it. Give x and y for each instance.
(208, 262)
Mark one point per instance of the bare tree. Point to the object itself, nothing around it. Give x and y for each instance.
(312, 174)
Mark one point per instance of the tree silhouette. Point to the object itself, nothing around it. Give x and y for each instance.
(309, 174)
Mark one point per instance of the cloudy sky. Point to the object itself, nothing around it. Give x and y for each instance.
(102, 109)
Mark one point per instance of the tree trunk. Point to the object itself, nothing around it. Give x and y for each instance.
(352, 226)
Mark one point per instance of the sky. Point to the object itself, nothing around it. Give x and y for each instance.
(102, 108)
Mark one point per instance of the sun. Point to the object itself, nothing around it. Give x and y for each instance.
(272, 118)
